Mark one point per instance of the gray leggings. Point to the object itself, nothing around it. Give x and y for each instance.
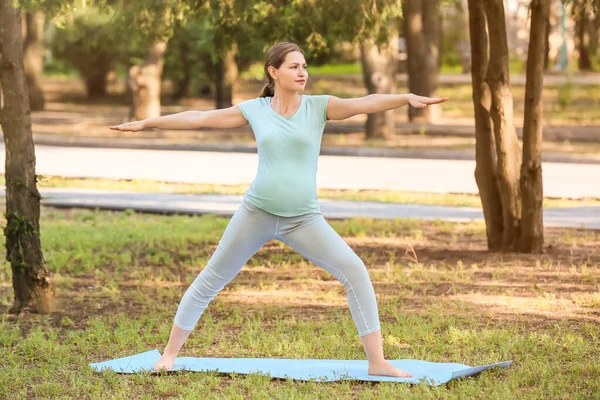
(309, 234)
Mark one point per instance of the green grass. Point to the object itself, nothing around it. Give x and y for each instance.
(120, 276)
(516, 67)
(386, 196)
(336, 69)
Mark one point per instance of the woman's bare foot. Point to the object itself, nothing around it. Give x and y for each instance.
(166, 362)
(385, 368)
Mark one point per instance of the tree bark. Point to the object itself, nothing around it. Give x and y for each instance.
(379, 68)
(582, 37)
(33, 287)
(182, 86)
(144, 84)
(532, 225)
(547, 43)
(227, 76)
(33, 58)
(505, 135)
(96, 81)
(433, 34)
(416, 52)
(462, 7)
(485, 152)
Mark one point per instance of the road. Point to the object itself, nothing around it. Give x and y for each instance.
(418, 175)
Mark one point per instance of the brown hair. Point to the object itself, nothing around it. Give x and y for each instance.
(275, 57)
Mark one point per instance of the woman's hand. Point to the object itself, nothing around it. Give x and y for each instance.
(129, 126)
(422, 101)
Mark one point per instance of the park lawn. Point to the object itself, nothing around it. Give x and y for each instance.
(120, 275)
(384, 196)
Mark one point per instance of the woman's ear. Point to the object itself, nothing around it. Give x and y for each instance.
(273, 72)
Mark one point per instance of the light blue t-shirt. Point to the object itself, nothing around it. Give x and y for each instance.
(288, 149)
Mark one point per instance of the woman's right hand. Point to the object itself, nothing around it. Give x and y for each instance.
(129, 126)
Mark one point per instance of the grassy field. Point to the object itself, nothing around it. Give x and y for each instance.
(120, 276)
(387, 196)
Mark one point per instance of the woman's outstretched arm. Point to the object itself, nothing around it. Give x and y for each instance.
(338, 108)
(230, 117)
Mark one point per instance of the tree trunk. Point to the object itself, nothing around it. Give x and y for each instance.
(183, 85)
(463, 42)
(593, 47)
(433, 34)
(33, 58)
(227, 76)
(144, 83)
(485, 152)
(507, 144)
(97, 81)
(532, 225)
(547, 43)
(379, 68)
(33, 287)
(582, 37)
(416, 52)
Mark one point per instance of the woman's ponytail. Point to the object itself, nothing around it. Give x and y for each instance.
(268, 90)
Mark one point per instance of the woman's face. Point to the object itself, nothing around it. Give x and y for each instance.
(292, 74)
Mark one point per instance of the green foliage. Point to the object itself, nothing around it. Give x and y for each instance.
(88, 37)
(316, 25)
(188, 54)
(17, 226)
(196, 48)
(253, 26)
(143, 22)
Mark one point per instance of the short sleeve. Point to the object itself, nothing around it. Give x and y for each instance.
(319, 102)
(249, 108)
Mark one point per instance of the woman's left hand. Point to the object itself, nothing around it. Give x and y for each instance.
(422, 101)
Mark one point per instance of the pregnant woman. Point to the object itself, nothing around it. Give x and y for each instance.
(282, 201)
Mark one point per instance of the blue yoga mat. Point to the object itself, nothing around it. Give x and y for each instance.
(430, 373)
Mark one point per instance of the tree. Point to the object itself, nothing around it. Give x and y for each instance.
(507, 188)
(532, 234)
(582, 13)
(486, 161)
(33, 58)
(379, 70)
(91, 43)
(379, 59)
(211, 49)
(422, 29)
(144, 82)
(33, 287)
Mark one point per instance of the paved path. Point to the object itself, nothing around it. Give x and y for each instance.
(153, 143)
(438, 176)
(578, 217)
